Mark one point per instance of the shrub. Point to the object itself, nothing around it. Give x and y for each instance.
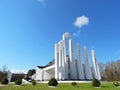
(95, 83)
(4, 81)
(18, 82)
(34, 82)
(74, 83)
(52, 82)
(115, 83)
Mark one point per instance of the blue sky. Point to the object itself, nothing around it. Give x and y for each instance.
(30, 28)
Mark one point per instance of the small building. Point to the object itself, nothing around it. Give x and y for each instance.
(45, 72)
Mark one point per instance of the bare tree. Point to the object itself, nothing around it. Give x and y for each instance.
(5, 68)
(112, 71)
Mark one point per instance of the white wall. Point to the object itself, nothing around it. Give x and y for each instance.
(39, 73)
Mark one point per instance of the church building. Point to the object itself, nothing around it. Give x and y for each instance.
(65, 66)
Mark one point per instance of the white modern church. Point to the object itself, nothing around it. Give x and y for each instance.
(65, 66)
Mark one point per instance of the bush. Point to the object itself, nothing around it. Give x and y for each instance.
(4, 81)
(74, 83)
(52, 82)
(115, 83)
(95, 83)
(34, 82)
(18, 82)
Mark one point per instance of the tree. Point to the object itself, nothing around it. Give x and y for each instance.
(95, 82)
(5, 68)
(3, 75)
(3, 72)
(112, 71)
(102, 67)
(53, 82)
(29, 74)
(17, 76)
(34, 82)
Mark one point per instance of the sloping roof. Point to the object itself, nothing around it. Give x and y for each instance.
(47, 65)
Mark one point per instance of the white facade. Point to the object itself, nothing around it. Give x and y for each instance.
(65, 66)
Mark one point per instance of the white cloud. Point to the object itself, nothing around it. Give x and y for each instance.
(18, 71)
(76, 34)
(81, 21)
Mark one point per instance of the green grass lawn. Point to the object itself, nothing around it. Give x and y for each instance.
(68, 86)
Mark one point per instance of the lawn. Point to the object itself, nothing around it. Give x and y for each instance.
(68, 86)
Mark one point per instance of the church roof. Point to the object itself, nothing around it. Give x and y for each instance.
(47, 65)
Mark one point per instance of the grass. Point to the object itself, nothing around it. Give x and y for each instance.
(61, 86)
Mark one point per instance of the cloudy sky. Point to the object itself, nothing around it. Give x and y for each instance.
(30, 28)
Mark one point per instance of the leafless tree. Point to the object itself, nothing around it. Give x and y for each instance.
(112, 71)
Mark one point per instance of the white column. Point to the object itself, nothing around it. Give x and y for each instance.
(80, 70)
(95, 66)
(72, 62)
(88, 73)
(56, 60)
(98, 71)
(60, 61)
(66, 35)
(65, 60)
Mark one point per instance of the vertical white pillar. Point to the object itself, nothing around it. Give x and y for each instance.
(88, 73)
(66, 35)
(60, 61)
(80, 70)
(72, 62)
(96, 72)
(94, 64)
(65, 60)
(56, 60)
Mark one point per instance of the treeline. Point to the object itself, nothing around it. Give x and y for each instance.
(110, 71)
(15, 76)
(3, 75)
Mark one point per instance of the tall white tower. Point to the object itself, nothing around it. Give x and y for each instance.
(80, 70)
(96, 71)
(88, 73)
